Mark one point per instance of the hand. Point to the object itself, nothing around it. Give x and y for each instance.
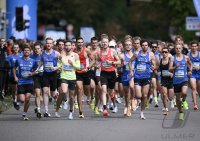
(16, 79)
(190, 73)
(153, 67)
(109, 62)
(131, 73)
(70, 62)
(171, 75)
(159, 73)
(53, 68)
(196, 67)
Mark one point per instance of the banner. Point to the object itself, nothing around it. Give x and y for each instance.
(29, 14)
(197, 6)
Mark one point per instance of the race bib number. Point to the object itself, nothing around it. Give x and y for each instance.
(165, 73)
(141, 67)
(196, 64)
(41, 69)
(25, 74)
(106, 65)
(179, 73)
(98, 72)
(48, 65)
(68, 68)
(81, 66)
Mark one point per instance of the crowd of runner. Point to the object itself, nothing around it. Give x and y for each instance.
(106, 71)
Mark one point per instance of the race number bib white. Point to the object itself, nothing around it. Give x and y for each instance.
(48, 65)
(106, 65)
(165, 73)
(41, 69)
(81, 66)
(196, 64)
(68, 67)
(25, 74)
(141, 67)
(98, 72)
(179, 73)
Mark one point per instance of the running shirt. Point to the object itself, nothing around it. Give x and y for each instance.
(103, 60)
(37, 58)
(180, 73)
(142, 66)
(25, 68)
(196, 63)
(125, 69)
(11, 59)
(49, 60)
(164, 69)
(68, 71)
(84, 62)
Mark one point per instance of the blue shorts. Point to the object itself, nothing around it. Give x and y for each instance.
(196, 76)
(125, 78)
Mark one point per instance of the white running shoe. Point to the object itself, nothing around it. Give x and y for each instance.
(115, 110)
(100, 108)
(118, 100)
(70, 116)
(65, 105)
(142, 116)
(57, 115)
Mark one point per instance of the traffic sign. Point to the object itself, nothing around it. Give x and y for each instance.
(192, 23)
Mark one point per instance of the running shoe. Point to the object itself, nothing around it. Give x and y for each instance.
(81, 115)
(92, 104)
(47, 114)
(65, 105)
(196, 107)
(125, 111)
(36, 110)
(128, 111)
(172, 104)
(165, 111)
(115, 109)
(96, 111)
(156, 105)
(25, 117)
(16, 105)
(100, 108)
(118, 100)
(181, 116)
(39, 115)
(105, 112)
(185, 105)
(70, 116)
(76, 105)
(57, 115)
(142, 116)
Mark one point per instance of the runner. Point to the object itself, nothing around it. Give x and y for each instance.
(126, 80)
(13, 84)
(195, 77)
(49, 60)
(167, 90)
(69, 63)
(178, 64)
(108, 58)
(144, 61)
(27, 67)
(82, 75)
(38, 78)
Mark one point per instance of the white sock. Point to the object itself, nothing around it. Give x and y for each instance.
(46, 109)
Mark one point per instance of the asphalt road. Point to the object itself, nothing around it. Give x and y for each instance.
(116, 127)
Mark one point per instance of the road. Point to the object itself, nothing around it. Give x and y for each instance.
(116, 127)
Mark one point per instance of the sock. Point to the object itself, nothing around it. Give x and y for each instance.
(46, 109)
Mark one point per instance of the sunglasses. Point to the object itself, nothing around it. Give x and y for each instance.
(154, 47)
(164, 52)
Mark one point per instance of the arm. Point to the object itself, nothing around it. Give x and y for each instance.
(171, 62)
(131, 60)
(190, 65)
(153, 61)
(91, 57)
(14, 71)
(118, 61)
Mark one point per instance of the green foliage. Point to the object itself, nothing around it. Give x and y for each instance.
(146, 19)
